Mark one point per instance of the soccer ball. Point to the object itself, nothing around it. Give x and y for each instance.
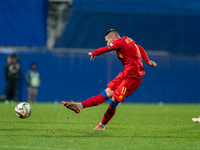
(23, 110)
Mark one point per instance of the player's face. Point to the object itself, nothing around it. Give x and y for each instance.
(108, 40)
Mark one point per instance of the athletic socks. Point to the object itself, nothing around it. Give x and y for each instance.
(110, 112)
(95, 100)
(102, 125)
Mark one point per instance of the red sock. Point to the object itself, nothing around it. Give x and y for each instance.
(108, 114)
(94, 101)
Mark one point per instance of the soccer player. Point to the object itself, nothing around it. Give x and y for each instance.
(130, 54)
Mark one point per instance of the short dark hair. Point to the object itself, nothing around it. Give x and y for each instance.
(111, 30)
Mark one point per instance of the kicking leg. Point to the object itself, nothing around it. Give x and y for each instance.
(96, 100)
(73, 106)
(93, 101)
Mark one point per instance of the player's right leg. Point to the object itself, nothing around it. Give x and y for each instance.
(93, 101)
(73, 106)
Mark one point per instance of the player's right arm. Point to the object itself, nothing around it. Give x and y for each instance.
(152, 63)
(145, 57)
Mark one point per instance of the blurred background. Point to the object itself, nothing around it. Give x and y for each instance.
(58, 34)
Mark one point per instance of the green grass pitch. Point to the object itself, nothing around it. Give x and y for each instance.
(134, 127)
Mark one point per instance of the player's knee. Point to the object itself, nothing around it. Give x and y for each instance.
(109, 92)
(114, 102)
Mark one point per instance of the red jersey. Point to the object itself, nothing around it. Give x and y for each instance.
(129, 53)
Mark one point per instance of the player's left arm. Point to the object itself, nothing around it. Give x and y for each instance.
(99, 51)
(111, 47)
(145, 57)
(91, 56)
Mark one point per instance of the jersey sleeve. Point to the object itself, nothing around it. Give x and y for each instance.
(143, 54)
(102, 50)
(113, 46)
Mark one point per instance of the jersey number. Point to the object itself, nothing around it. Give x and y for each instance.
(128, 40)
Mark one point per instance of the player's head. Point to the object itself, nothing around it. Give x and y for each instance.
(111, 35)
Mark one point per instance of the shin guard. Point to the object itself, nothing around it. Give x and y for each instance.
(95, 100)
(110, 112)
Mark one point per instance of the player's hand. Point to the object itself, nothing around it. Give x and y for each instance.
(92, 56)
(152, 63)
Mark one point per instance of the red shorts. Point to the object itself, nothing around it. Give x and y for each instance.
(124, 85)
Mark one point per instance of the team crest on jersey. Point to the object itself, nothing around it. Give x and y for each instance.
(111, 44)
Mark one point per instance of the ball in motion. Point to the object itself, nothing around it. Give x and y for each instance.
(23, 110)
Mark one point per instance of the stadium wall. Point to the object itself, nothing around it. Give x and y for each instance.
(71, 75)
(157, 25)
(23, 23)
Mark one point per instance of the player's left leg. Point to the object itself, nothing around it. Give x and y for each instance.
(110, 112)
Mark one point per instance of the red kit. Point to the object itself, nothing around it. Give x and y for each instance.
(131, 56)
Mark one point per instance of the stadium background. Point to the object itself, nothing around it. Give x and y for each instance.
(168, 30)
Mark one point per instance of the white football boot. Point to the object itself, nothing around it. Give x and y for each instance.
(197, 120)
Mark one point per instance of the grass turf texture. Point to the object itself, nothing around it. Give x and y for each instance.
(135, 126)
